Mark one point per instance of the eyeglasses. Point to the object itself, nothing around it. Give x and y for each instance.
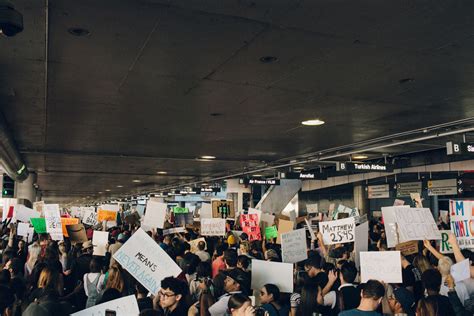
(167, 295)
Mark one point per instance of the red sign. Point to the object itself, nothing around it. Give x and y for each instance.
(250, 226)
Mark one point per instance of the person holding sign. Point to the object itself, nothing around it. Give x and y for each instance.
(371, 297)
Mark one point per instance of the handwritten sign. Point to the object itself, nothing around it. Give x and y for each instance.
(416, 224)
(53, 221)
(293, 246)
(444, 246)
(337, 232)
(68, 221)
(146, 261)
(312, 208)
(194, 244)
(100, 240)
(271, 232)
(105, 215)
(213, 227)
(408, 248)
(180, 210)
(124, 306)
(250, 226)
(23, 213)
(39, 224)
(38, 207)
(223, 209)
(174, 230)
(284, 226)
(90, 217)
(155, 214)
(462, 223)
(278, 273)
(384, 266)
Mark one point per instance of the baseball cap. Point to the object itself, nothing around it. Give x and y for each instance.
(406, 299)
(240, 277)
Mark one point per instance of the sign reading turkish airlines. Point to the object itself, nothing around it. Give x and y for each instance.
(364, 167)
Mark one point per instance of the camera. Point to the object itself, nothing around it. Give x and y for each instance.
(11, 21)
(259, 311)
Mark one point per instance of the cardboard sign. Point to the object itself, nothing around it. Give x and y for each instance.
(408, 248)
(416, 224)
(23, 213)
(77, 233)
(53, 221)
(174, 230)
(383, 266)
(146, 261)
(293, 246)
(100, 240)
(105, 215)
(271, 232)
(284, 226)
(223, 209)
(444, 246)
(180, 210)
(194, 244)
(213, 227)
(278, 273)
(90, 217)
(39, 225)
(338, 232)
(461, 271)
(68, 221)
(155, 215)
(124, 306)
(250, 226)
(462, 223)
(361, 241)
(205, 211)
(312, 208)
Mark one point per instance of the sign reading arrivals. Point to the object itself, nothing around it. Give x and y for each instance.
(364, 167)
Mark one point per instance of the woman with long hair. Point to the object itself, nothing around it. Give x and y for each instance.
(311, 300)
(270, 300)
(34, 251)
(115, 278)
(240, 305)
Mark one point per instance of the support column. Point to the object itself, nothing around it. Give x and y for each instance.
(435, 207)
(360, 199)
(278, 196)
(26, 191)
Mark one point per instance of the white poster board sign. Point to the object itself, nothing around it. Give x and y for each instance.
(23, 213)
(90, 217)
(174, 230)
(100, 240)
(278, 273)
(338, 231)
(462, 223)
(444, 246)
(310, 229)
(268, 219)
(124, 306)
(383, 266)
(416, 224)
(205, 211)
(461, 271)
(194, 244)
(255, 211)
(212, 226)
(53, 221)
(390, 223)
(23, 229)
(293, 246)
(155, 214)
(146, 261)
(361, 241)
(312, 208)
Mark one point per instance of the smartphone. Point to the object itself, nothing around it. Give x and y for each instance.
(109, 312)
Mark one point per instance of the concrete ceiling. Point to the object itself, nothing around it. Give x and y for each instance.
(158, 83)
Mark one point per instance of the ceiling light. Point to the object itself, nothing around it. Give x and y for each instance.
(100, 192)
(257, 175)
(298, 168)
(314, 122)
(360, 156)
(119, 186)
(136, 181)
(208, 157)
(162, 172)
(107, 190)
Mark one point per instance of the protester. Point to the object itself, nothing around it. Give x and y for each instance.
(371, 297)
(270, 300)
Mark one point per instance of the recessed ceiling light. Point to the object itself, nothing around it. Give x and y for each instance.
(78, 31)
(107, 190)
(162, 172)
(257, 175)
(208, 157)
(136, 181)
(314, 122)
(119, 186)
(360, 157)
(298, 168)
(100, 192)
(268, 59)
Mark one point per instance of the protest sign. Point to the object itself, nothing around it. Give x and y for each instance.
(444, 216)
(213, 227)
(68, 221)
(205, 211)
(338, 231)
(77, 233)
(361, 241)
(284, 226)
(23, 213)
(100, 240)
(271, 232)
(155, 214)
(180, 210)
(408, 248)
(8, 206)
(416, 197)
(194, 244)
(250, 226)
(23, 229)
(183, 219)
(124, 306)
(90, 217)
(146, 261)
(390, 223)
(292, 214)
(174, 230)
(223, 209)
(398, 202)
(461, 271)
(39, 224)
(311, 208)
(53, 221)
(293, 246)
(38, 207)
(105, 215)
(416, 224)
(462, 223)
(255, 211)
(383, 266)
(310, 229)
(444, 246)
(278, 273)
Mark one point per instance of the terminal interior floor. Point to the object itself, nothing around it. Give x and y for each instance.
(115, 98)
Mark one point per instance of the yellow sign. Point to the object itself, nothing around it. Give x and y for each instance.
(68, 221)
(103, 215)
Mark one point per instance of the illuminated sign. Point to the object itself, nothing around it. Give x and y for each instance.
(363, 167)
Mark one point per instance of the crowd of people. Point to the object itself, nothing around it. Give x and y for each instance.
(47, 277)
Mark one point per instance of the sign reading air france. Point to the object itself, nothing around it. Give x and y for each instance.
(364, 167)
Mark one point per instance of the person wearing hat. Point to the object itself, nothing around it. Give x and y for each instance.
(236, 281)
(402, 302)
(113, 248)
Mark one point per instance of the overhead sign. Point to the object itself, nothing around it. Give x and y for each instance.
(459, 148)
(364, 167)
(378, 191)
(304, 175)
(259, 181)
(462, 222)
(146, 261)
(338, 232)
(443, 187)
(404, 189)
